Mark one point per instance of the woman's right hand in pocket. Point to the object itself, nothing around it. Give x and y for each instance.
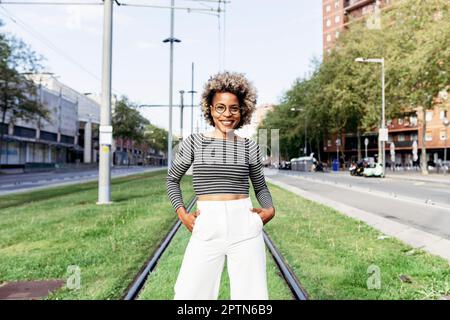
(189, 219)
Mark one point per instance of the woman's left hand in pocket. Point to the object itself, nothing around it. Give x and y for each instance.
(266, 214)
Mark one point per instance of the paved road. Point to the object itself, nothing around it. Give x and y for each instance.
(437, 191)
(412, 211)
(12, 183)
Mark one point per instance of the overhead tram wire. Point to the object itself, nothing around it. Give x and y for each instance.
(47, 3)
(166, 7)
(206, 10)
(48, 43)
(224, 54)
(220, 38)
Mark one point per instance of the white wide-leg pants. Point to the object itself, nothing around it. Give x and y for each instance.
(224, 229)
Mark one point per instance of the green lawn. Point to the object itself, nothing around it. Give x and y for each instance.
(42, 233)
(331, 254)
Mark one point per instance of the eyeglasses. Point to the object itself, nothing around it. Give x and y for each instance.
(233, 109)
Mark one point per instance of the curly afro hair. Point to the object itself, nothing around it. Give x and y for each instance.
(231, 82)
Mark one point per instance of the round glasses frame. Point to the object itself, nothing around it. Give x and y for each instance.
(234, 111)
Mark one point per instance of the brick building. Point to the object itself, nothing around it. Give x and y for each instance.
(338, 15)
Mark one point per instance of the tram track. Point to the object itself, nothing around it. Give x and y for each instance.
(133, 290)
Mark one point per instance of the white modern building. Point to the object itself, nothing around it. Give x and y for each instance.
(88, 116)
(70, 136)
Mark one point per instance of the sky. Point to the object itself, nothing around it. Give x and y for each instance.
(271, 42)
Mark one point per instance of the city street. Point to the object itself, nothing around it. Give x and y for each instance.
(398, 200)
(12, 183)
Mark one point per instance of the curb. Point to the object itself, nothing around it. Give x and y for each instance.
(414, 237)
(67, 183)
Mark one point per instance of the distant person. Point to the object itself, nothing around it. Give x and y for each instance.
(225, 226)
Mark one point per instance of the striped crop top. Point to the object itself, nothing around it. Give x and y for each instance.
(220, 166)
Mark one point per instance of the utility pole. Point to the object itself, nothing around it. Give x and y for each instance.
(104, 175)
(382, 132)
(181, 113)
(171, 40)
(192, 99)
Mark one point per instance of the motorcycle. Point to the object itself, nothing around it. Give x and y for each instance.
(357, 169)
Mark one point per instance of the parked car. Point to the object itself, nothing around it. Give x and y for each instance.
(374, 170)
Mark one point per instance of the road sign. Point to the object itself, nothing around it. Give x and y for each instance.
(383, 134)
(105, 135)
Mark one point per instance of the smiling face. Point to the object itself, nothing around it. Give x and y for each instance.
(226, 121)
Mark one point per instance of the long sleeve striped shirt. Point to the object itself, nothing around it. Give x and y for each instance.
(219, 166)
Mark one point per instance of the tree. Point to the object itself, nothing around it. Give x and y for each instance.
(17, 93)
(427, 27)
(155, 138)
(128, 123)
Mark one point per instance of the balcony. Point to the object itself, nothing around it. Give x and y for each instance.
(402, 144)
(356, 4)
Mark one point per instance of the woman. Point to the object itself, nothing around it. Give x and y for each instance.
(225, 223)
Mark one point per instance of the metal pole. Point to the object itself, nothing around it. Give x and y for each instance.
(383, 125)
(306, 139)
(337, 152)
(445, 148)
(104, 177)
(181, 114)
(169, 146)
(192, 100)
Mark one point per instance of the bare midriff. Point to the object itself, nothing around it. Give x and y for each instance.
(221, 197)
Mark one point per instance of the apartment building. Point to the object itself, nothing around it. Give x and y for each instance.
(338, 15)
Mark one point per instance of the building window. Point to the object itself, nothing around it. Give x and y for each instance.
(337, 34)
(414, 137)
(443, 135)
(4, 128)
(400, 121)
(328, 37)
(49, 136)
(442, 114)
(67, 139)
(429, 116)
(24, 132)
(328, 8)
(336, 4)
(401, 137)
(328, 22)
(413, 120)
(328, 143)
(429, 136)
(337, 19)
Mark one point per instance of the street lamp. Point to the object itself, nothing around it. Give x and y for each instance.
(181, 113)
(171, 40)
(445, 122)
(382, 133)
(305, 148)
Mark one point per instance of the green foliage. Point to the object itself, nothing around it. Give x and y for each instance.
(156, 137)
(17, 93)
(128, 123)
(344, 96)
